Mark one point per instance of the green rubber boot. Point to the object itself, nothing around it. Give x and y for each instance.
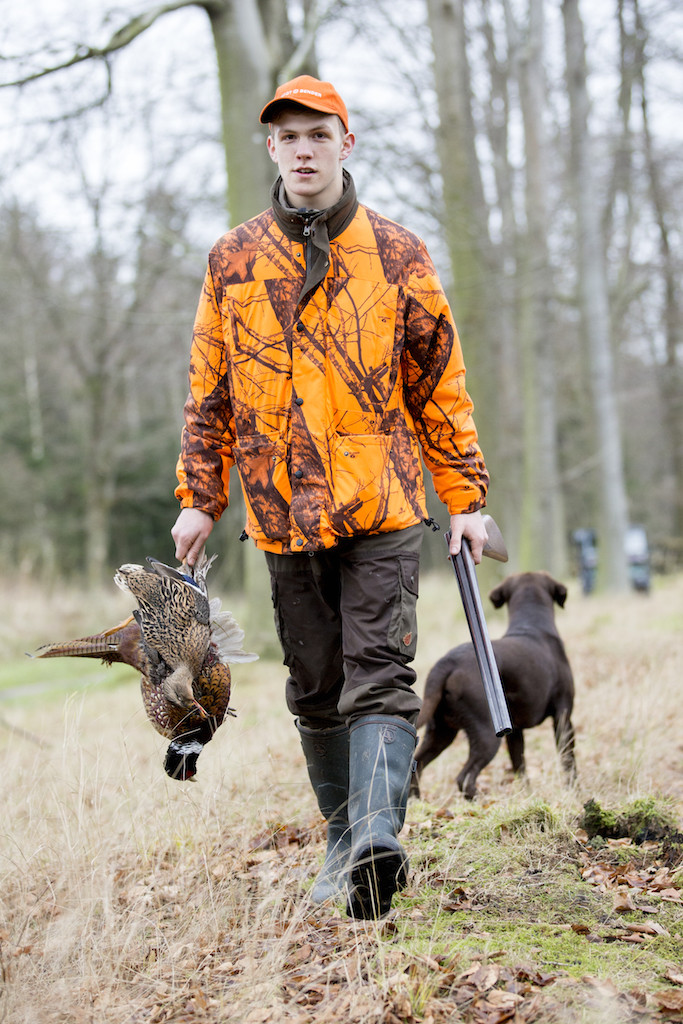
(381, 763)
(327, 759)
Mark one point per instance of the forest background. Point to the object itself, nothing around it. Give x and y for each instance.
(537, 146)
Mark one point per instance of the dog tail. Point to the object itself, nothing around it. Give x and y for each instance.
(433, 694)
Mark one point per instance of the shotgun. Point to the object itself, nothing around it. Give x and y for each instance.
(465, 573)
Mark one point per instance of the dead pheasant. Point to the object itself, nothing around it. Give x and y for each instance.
(173, 615)
(181, 643)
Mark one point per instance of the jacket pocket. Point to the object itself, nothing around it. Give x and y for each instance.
(262, 467)
(360, 482)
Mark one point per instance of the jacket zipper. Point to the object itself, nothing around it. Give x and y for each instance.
(307, 235)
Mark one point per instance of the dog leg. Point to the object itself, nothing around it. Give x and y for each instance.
(515, 742)
(483, 747)
(564, 740)
(434, 742)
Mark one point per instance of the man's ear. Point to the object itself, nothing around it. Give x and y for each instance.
(271, 148)
(347, 145)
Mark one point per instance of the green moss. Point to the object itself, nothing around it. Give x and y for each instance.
(536, 816)
(647, 818)
(597, 821)
(644, 818)
(504, 883)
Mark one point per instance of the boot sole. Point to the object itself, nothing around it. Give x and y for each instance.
(377, 873)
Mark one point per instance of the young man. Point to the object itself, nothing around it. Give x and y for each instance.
(324, 361)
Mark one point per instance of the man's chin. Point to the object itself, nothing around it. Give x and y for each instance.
(301, 193)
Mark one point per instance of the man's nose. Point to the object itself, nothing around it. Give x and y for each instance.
(304, 148)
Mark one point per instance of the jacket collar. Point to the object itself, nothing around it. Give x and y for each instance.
(323, 224)
(318, 226)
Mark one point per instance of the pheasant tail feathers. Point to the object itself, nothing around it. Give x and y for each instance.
(106, 646)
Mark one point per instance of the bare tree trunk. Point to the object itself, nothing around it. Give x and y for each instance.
(620, 209)
(99, 494)
(508, 460)
(543, 543)
(671, 373)
(595, 316)
(27, 344)
(246, 81)
(466, 218)
(44, 542)
(254, 45)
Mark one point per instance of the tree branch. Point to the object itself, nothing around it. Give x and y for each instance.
(121, 38)
(305, 48)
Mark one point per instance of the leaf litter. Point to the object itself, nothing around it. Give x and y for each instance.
(303, 965)
(214, 926)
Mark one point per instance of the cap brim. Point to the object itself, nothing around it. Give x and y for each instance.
(275, 107)
(270, 111)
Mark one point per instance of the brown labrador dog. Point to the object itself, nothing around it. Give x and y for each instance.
(536, 677)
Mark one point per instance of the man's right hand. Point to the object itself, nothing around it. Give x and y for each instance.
(190, 533)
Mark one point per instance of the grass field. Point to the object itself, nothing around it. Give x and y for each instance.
(128, 898)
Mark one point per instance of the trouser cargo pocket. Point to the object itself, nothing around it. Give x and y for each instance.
(403, 626)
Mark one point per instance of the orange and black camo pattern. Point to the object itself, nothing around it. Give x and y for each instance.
(326, 402)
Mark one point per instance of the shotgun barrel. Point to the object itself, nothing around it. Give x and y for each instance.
(465, 573)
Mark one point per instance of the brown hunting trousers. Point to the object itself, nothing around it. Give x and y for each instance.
(347, 623)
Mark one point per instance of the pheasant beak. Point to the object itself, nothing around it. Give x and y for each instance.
(200, 709)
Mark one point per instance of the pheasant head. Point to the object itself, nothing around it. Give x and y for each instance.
(178, 690)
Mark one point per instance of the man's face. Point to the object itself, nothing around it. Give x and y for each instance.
(309, 149)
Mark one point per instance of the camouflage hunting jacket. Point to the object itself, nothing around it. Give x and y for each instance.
(324, 360)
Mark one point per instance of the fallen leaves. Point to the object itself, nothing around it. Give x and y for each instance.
(490, 993)
(484, 992)
(460, 899)
(646, 928)
(263, 955)
(670, 999)
(629, 884)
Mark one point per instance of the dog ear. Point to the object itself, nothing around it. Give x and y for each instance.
(499, 595)
(559, 593)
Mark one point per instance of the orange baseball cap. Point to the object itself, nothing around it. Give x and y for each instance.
(308, 92)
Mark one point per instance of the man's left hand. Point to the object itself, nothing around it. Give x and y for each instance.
(470, 525)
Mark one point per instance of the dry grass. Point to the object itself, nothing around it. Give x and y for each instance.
(127, 897)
